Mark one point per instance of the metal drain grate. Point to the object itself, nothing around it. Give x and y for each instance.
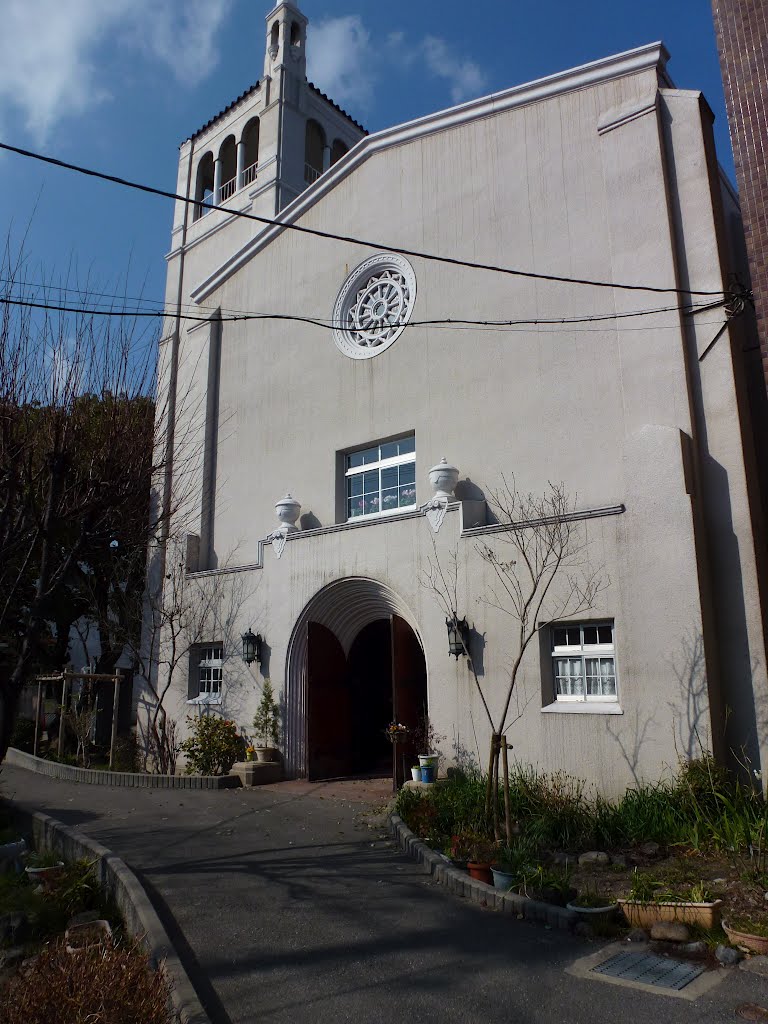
(650, 970)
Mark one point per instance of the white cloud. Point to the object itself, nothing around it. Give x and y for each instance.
(341, 59)
(466, 78)
(54, 54)
(346, 65)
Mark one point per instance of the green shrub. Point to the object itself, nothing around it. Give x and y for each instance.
(213, 747)
(266, 721)
(702, 806)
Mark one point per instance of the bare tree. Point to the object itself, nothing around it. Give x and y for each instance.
(541, 575)
(80, 441)
(181, 612)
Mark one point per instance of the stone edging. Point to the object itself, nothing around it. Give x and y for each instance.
(139, 915)
(460, 883)
(136, 780)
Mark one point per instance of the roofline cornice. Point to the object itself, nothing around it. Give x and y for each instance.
(643, 58)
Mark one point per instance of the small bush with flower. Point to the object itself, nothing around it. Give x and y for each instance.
(213, 746)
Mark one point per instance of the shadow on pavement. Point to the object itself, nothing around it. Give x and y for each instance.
(202, 986)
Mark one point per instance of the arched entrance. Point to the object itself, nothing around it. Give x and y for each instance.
(355, 663)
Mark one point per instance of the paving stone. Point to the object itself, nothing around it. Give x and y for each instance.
(694, 948)
(649, 849)
(755, 965)
(728, 956)
(670, 931)
(595, 857)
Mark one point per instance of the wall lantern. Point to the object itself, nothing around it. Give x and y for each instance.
(251, 647)
(458, 636)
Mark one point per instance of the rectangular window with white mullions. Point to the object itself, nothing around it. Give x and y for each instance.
(584, 661)
(381, 479)
(210, 662)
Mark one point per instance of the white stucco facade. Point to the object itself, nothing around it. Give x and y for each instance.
(605, 173)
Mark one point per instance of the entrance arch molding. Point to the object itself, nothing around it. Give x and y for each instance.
(346, 607)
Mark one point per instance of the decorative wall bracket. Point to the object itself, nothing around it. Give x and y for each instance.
(287, 511)
(442, 478)
(435, 511)
(278, 540)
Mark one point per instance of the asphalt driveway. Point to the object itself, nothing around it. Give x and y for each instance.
(288, 906)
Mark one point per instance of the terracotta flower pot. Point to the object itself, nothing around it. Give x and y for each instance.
(754, 943)
(480, 871)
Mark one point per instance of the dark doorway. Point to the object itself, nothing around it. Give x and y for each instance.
(352, 699)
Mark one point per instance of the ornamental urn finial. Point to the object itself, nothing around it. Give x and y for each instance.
(287, 511)
(443, 479)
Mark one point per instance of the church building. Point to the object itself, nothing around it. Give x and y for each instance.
(385, 343)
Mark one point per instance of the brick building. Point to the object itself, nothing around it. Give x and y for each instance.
(741, 27)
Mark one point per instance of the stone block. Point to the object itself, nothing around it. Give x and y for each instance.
(670, 931)
(257, 773)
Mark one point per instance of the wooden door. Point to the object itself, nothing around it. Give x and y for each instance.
(329, 717)
(409, 692)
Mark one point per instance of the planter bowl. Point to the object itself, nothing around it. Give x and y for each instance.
(593, 913)
(502, 879)
(267, 754)
(754, 943)
(645, 915)
(428, 760)
(46, 876)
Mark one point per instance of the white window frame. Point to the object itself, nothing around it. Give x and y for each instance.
(209, 662)
(379, 466)
(584, 651)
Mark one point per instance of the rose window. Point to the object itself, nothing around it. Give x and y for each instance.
(374, 306)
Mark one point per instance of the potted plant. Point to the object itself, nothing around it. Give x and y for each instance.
(428, 765)
(266, 723)
(416, 773)
(44, 869)
(250, 752)
(749, 931)
(480, 854)
(593, 905)
(550, 885)
(648, 903)
(512, 865)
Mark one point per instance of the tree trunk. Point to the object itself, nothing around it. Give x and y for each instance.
(9, 702)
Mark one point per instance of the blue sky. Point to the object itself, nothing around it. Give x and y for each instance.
(118, 84)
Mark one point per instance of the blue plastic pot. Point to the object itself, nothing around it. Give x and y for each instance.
(428, 773)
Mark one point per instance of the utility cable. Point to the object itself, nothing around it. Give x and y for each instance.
(113, 297)
(331, 325)
(450, 260)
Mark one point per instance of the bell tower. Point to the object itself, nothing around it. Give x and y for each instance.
(286, 41)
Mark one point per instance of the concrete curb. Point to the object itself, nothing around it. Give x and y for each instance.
(141, 920)
(136, 780)
(460, 883)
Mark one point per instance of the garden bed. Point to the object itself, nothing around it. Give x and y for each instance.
(699, 837)
(64, 952)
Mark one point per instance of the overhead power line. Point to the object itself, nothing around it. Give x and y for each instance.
(446, 322)
(114, 297)
(450, 260)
